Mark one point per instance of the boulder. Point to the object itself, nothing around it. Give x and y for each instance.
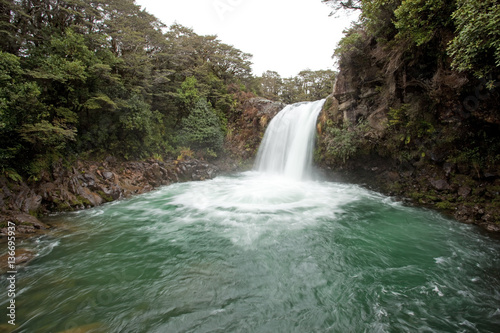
(440, 184)
(108, 175)
(464, 191)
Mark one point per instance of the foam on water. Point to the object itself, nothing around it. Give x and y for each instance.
(253, 204)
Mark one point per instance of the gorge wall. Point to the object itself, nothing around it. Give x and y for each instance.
(415, 129)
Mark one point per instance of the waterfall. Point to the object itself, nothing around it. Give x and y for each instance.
(287, 146)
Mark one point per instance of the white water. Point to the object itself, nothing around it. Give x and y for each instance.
(288, 144)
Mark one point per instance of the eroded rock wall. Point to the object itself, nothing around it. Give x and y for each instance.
(89, 184)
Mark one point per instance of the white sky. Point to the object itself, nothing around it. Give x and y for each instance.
(286, 36)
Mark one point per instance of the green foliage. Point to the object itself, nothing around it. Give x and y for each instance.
(141, 131)
(409, 121)
(188, 93)
(185, 153)
(420, 20)
(202, 128)
(476, 47)
(12, 174)
(45, 135)
(352, 43)
(90, 77)
(345, 141)
(308, 85)
(378, 17)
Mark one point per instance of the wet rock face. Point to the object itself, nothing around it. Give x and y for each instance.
(88, 184)
(247, 130)
(265, 106)
(356, 95)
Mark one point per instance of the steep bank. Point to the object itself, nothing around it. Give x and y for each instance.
(246, 131)
(88, 184)
(410, 126)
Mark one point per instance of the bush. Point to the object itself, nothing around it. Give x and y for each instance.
(344, 142)
(202, 128)
(476, 47)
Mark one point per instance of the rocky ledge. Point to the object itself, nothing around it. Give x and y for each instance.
(87, 184)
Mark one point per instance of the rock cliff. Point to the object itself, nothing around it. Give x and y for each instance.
(415, 130)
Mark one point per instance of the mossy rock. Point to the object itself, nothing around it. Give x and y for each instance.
(106, 197)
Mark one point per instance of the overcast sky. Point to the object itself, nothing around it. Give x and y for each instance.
(286, 36)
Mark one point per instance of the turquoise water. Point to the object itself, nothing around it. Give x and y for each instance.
(249, 253)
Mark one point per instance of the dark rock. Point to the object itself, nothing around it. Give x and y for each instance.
(438, 155)
(492, 227)
(154, 172)
(211, 173)
(346, 105)
(265, 106)
(463, 168)
(25, 224)
(23, 218)
(367, 93)
(448, 168)
(110, 160)
(440, 185)
(392, 176)
(91, 197)
(490, 175)
(464, 191)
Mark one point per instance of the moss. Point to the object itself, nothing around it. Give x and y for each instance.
(463, 180)
(415, 195)
(35, 213)
(83, 201)
(445, 205)
(63, 207)
(106, 197)
(328, 104)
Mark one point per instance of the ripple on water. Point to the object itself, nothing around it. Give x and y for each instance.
(261, 254)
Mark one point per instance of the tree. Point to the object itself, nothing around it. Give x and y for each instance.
(308, 85)
(271, 85)
(19, 105)
(201, 129)
(421, 20)
(476, 46)
(338, 5)
(140, 129)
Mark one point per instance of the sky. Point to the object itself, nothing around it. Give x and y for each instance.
(285, 36)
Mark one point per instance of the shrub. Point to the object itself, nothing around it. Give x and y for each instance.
(345, 141)
(201, 129)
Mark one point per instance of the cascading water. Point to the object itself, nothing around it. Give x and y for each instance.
(288, 143)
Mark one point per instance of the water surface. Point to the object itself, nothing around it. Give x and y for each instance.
(253, 253)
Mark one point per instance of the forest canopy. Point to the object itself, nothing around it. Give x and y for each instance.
(468, 28)
(81, 77)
